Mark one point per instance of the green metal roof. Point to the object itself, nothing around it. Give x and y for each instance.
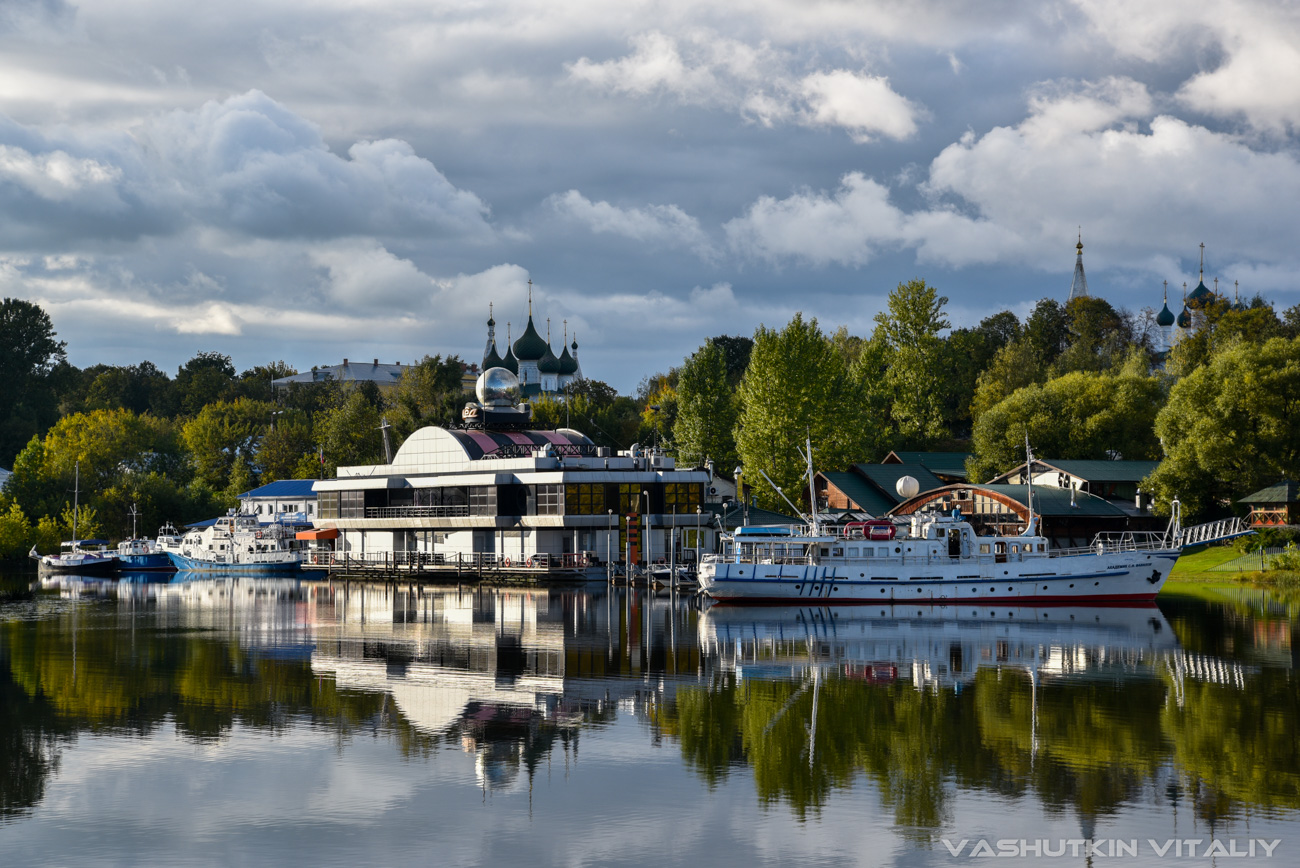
(861, 492)
(1056, 501)
(886, 476)
(1201, 293)
(947, 463)
(1285, 491)
(734, 517)
(492, 359)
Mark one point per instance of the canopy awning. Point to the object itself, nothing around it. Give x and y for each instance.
(318, 533)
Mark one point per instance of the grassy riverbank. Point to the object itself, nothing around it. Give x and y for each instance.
(1198, 567)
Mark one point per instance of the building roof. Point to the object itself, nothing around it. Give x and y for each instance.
(945, 463)
(348, 372)
(860, 491)
(885, 477)
(480, 444)
(568, 365)
(548, 363)
(734, 517)
(1048, 501)
(1285, 491)
(283, 488)
(1091, 470)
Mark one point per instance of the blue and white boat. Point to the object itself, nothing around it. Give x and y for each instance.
(237, 545)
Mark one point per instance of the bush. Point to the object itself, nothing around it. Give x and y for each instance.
(1268, 538)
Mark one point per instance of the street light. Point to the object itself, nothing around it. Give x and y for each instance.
(740, 495)
(697, 539)
(609, 552)
(647, 535)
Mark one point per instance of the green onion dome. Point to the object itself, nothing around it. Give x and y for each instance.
(531, 347)
(548, 363)
(1165, 318)
(568, 364)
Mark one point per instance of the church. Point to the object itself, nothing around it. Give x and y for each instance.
(531, 359)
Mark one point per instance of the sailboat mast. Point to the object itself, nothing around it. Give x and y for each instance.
(76, 489)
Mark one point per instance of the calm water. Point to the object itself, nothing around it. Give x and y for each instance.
(273, 722)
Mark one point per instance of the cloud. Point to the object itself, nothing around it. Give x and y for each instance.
(865, 106)
(1253, 46)
(759, 82)
(660, 225)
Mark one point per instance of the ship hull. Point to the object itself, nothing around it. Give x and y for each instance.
(1128, 577)
(184, 563)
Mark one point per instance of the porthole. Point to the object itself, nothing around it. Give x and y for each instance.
(974, 590)
(1072, 584)
(1044, 587)
(882, 590)
(835, 587)
(798, 587)
(1008, 590)
(1095, 584)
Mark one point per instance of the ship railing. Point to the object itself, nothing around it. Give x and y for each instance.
(445, 511)
(1127, 541)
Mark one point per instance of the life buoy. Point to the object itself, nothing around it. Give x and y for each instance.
(528, 562)
(259, 534)
(507, 561)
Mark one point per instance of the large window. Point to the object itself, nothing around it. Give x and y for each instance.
(584, 499)
(630, 499)
(684, 495)
(483, 500)
(550, 500)
(352, 504)
(329, 504)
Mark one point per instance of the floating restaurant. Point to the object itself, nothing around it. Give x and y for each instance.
(498, 496)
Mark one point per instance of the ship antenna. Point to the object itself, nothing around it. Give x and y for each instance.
(1029, 479)
(812, 488)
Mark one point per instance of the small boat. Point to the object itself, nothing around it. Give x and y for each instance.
(238, 545)
(142, 555)
(84, 557)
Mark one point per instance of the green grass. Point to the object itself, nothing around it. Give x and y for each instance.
(1195, 567)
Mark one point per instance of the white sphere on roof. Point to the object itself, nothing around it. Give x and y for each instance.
(497, 387)
(907, 487)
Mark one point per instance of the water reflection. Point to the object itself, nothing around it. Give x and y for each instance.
(1087, 712)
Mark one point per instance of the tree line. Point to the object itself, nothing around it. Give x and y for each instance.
(1082, 379)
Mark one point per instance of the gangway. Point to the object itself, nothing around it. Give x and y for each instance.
(1212, 532)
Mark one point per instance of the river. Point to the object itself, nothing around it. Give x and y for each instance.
(280, 722)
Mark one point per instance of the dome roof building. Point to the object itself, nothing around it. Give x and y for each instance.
(491, 359)
(1165, 318)
(531, 359)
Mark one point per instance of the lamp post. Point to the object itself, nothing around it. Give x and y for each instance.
(740, 495)
(609, 551)
(646, 536)
(697, 540)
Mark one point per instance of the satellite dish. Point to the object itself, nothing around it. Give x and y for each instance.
(907, 487)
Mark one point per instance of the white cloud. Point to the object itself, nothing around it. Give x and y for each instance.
(758, 82)
(1256, 44)
(665, 225)
(863, 105)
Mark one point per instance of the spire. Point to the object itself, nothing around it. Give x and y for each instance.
(491, 359)
(1165, 318)
(1202, 262)
(1079, 286)
(530, 296)
(1201, 294)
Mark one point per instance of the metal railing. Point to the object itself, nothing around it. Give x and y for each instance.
(436, 561)
(1213, 531)
(456, 511)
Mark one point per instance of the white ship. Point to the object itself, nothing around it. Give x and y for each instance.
(932, 557)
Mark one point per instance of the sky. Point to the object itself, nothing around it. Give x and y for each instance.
(309, 182)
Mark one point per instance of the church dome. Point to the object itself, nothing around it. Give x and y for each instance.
(1165, 318)
(531, 347)
(510, 363)
(492, 359)
(568, 365)
(1185, 319)
(548, 363)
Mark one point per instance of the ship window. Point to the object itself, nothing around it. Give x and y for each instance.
(984, 548)
(853, 553)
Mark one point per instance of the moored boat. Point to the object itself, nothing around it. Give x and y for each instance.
(239, 545)
(935, 557)
(85, 557)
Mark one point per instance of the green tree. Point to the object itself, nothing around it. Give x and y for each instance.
(28, 355)
(430, 393)
(1078, 415)
(223, 439)
(706, 409)
(796, 386)
(204, 379)
(16, 532)
(736, 349)
(1231, 426)
(910, 327)
(348, 434)
(967, 353)
(282, 448)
